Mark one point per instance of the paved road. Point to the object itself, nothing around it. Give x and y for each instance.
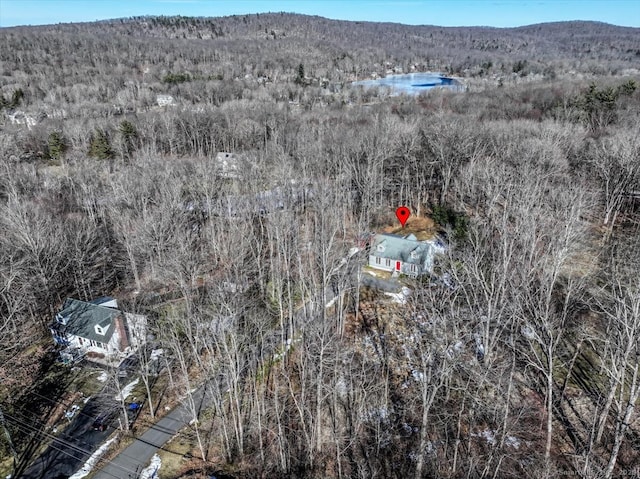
(69, 451)
(137, 456)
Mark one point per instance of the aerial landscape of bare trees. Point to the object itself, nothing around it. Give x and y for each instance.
(524, 363)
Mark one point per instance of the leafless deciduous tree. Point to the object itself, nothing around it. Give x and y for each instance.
(615, 163)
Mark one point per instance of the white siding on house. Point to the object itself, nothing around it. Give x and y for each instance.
(380, 263)
(87, 345)
(114, 342)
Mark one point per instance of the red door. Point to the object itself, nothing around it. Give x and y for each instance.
(397, 265)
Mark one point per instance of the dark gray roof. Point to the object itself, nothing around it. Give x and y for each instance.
(82, 317)
(398, 248)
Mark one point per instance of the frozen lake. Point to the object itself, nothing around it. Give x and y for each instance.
(412, 83)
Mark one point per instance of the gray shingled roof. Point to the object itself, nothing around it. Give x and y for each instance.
(399, 248)
(82, 318)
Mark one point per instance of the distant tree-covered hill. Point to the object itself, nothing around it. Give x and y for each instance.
(332, 48)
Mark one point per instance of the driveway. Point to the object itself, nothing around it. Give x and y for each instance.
(71, 448)
(388, 285)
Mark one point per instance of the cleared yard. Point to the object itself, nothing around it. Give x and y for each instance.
(423, 228)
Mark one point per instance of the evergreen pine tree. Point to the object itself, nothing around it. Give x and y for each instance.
(16, 98)
(129, 135)
(100, 146)
(300, 77)
(57, 145)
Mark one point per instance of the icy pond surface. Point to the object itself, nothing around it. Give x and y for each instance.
(412, 83)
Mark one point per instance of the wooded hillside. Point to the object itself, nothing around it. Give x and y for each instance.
(525, 361)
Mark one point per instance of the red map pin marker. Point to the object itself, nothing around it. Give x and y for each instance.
(403, 214)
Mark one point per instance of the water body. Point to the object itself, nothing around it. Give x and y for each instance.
(412, 83)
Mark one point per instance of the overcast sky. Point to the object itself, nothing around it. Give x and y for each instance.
(497, 13)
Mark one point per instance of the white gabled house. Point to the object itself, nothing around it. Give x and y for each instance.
(165, 100)
(403, 254)
(97, 327)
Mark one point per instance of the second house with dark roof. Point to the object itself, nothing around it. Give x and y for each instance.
(97, 327)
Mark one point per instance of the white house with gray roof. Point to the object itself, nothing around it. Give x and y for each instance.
(403, 254)
(97, 327)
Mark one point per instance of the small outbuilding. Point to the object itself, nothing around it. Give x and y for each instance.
(165, 100)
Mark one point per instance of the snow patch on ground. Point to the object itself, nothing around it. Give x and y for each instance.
(400, 297)
(103, 377)
(378, 415)
(331, 303)
(512, 441)
(277, 356)
(126, 391)
(455, 350)
(151, 471)
(373, 273)
(92, 461)
(155, 354)
(488, 435)
(417, 376)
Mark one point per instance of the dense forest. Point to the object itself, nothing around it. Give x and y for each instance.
(526, 361)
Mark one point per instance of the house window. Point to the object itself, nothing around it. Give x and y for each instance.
(80, 341)
(388, 262)
(378, 260)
